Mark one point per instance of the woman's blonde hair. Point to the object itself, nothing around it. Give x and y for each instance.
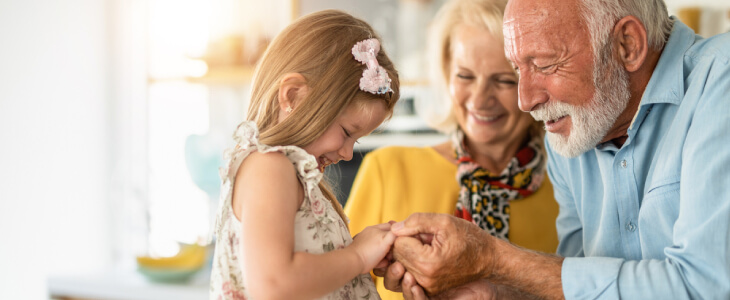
(319, 47)
(485, 14)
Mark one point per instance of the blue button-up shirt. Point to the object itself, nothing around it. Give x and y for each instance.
(651, 220)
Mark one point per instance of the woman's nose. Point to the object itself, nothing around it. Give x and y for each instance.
(483, 92)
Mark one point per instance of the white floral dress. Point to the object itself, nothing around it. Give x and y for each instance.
(317, 226)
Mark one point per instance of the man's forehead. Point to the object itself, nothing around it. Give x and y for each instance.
(527, 26)
(519, 29)
(526, 10)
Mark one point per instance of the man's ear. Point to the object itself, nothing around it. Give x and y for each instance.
(631, 40)
(292, 88)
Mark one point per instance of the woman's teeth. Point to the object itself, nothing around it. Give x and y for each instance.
(484, 118)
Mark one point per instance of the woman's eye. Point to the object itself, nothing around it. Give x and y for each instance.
(465, 77)
(507, 81)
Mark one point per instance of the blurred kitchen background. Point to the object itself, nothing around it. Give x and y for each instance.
(114, 114)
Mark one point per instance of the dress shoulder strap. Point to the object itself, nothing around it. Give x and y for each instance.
(247, 141)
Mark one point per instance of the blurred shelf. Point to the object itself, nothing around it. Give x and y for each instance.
(415, 82)
(234, 76)
(242, 75)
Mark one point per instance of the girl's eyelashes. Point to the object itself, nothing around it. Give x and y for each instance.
(347, 133)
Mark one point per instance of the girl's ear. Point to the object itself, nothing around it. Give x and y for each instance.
(292, 89)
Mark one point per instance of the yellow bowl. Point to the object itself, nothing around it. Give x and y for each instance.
(167, 275)
(189, 257)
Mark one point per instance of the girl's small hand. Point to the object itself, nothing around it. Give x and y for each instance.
(372, 244)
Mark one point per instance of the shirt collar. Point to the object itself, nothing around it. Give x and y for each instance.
(667, 81)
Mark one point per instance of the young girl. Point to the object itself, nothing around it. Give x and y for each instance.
(323, 83)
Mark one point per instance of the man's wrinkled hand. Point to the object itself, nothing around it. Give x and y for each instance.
(477, 290)
(442, 252)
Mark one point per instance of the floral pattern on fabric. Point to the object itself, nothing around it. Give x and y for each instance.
(484, 198)
(318, 227)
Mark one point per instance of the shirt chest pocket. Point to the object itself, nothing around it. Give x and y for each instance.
(657, 215)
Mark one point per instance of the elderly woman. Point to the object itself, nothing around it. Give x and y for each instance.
(492, 170)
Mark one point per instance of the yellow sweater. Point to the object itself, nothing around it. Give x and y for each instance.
(394, 182)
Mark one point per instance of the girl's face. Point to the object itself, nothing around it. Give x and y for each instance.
(338, 140)
(483, 88)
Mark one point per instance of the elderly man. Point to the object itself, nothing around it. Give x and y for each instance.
(637, 113)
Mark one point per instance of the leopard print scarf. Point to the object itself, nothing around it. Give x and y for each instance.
(484, 197)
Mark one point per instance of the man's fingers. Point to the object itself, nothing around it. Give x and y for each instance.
(381, 265)
(407, 249)
(411, 290)
(425, 238)
(380, 272)
(383, 226)
(418, 293)
(417, 223)
(407, 286)
(392, 278)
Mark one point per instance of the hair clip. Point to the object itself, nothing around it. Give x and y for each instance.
(374, 79)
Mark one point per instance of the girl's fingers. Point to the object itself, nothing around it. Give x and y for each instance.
(384, 226)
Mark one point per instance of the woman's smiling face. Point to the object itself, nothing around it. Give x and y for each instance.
(483, 88)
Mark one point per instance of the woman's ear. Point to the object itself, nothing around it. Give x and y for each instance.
(292, 89)
(633, 46)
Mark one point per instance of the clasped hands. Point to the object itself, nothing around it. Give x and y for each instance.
(438, 256)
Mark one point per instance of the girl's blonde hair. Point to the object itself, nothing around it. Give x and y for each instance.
(319, 47)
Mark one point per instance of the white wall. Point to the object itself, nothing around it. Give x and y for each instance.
(54, 137)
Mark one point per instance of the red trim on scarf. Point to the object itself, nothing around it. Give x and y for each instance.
(522, 192)
(465, 159)
(525, 155)
(464, 214)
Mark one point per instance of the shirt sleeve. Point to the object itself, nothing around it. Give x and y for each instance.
(364, 206)
(697, 264)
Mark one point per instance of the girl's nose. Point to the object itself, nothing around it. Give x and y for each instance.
(346, 151)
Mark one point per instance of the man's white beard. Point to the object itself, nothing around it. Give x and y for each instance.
(591, 122)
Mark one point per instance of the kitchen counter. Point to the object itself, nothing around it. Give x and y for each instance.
(125, 284)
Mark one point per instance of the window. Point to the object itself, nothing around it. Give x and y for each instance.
(185, 72)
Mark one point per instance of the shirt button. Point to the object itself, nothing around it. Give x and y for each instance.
(624, 164)
(630, 226)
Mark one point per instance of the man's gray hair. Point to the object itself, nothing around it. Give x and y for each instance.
(601, 16)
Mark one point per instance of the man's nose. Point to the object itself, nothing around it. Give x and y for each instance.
(530, 93)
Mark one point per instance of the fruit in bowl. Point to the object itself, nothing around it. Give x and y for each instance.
(179, 268)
